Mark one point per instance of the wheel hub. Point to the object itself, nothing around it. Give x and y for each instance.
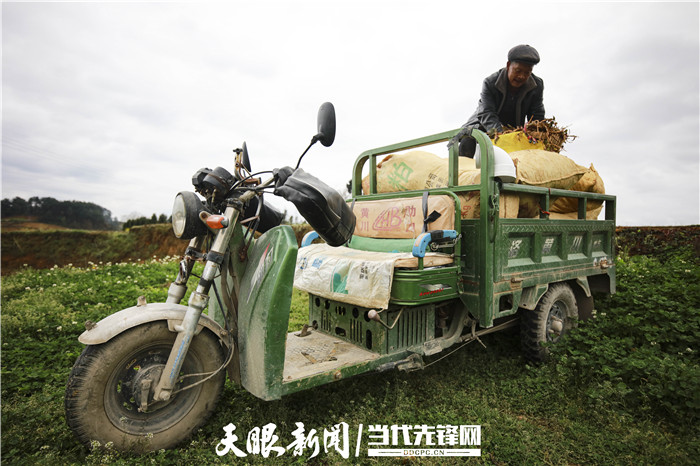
(128, 398)
(143, 387)
(555, 322)
(557, 325)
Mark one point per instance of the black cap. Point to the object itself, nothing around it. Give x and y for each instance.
(524, 54)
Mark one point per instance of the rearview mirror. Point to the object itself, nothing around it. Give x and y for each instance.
(326, 128)
(326, 124)
(244, 158)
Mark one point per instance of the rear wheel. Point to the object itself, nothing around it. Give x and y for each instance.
(109, 381)
(554, 316)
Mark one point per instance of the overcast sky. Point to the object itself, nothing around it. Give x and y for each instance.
(120, 103)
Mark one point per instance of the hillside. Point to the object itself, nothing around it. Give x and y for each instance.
(42, 246)
(49, 245)
(27, 224)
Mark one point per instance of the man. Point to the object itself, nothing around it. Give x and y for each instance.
(508, 96)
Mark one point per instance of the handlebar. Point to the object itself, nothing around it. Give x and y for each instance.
(248, 195)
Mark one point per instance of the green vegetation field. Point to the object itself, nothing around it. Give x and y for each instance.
(623, 389)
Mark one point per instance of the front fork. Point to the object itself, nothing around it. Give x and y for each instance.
(198, 301)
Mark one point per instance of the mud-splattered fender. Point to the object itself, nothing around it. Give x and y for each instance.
(131, 317)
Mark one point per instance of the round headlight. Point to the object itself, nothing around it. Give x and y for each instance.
(186, 222)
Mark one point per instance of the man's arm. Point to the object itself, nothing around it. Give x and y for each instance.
(536, 110)
(485, 117)
(487, 112)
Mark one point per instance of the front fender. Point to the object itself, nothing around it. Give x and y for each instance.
(116, 323)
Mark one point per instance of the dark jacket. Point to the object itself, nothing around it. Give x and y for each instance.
(493, 93)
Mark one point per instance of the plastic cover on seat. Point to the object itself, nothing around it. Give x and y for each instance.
(357, 277)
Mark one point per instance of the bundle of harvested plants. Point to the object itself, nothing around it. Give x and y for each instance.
(546, 131)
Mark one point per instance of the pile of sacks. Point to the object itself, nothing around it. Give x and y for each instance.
(419, 170)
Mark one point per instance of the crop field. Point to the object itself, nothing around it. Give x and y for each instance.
(623, 388)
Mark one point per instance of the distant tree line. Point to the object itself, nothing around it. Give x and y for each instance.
(146, 221)
(69, 214)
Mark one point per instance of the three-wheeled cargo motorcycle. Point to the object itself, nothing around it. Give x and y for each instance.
(151, 374)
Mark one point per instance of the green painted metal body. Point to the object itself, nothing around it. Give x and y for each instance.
(263, 311)
(500, 265)
(504, 259)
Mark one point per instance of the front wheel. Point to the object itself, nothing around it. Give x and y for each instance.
(555, 314)
(108, 382)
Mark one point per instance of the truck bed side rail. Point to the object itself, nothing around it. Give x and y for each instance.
(546, 194)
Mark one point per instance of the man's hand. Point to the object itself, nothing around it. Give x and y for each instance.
(466, 131)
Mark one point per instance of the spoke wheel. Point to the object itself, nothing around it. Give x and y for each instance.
(554, 316)
(109, 396)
